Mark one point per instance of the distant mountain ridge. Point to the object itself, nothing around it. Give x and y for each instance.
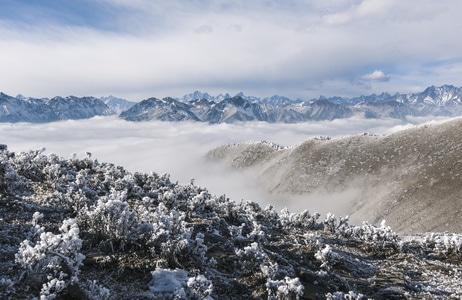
(434, 101)
(33, 110)
(202, 107)
(118, 105)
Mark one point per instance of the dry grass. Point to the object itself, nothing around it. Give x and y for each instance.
(412, 178)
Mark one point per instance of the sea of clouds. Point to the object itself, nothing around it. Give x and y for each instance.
(180, 148)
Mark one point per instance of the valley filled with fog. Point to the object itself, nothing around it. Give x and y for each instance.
(179, 149)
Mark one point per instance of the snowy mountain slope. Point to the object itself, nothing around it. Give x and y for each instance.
(80, 229)
(197, 95)
(167, 109)
(238, 109)
(235, 109)
(411, 178)
(117, 105)
(198, 106)
(22, 109)
(25, 110)
(434, 101)
(279, 101)
(75, 108)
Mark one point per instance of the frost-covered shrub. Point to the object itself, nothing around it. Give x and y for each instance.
(257, 234)
(250, 257)
(30, 164)
(198, 249)
(269, 269)
(235, 232)
(10, 181)
(380, 236)
(52, 259)
(166, 224)
(303, 220)
(94, 291)
(175, 250)
(327, 257)
(443, 243)
(289, 288)
(330, 223)
(199, 287)
(199, 203)
(113, 220)
(74, 200)
(345, 296)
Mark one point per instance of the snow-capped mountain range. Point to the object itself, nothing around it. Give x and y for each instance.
(438, 101)
(202, 107)
(22, 109)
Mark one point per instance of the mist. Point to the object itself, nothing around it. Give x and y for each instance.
(179, 149)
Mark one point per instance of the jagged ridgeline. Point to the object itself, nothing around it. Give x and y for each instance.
(434, 101)
(78, 228)
(201, 107)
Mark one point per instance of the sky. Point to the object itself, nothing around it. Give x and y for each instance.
(136, 49)
(180, 150)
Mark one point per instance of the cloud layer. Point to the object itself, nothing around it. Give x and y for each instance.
(179, 148)
(139, 49)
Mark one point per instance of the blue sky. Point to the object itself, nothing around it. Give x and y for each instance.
(137, 49)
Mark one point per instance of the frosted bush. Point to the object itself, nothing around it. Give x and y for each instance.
(10, 181)
(251, 257)
(197, 202)
(181, 250)
(236, 232)
(289, 288)
(52, 288)
(269, 269)
(344, 296)
(166, 224)
(112, 219)
(330, 223)
(327, 257)
(53, 259)
(74, 200)
(444, 243)
(174, 250)
(199, 287)
(198, 249)
(303, 220)
(380, 236)
(257, 234)
(94, 291)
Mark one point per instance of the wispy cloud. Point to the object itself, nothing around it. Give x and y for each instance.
(377, 75)
(138, 49)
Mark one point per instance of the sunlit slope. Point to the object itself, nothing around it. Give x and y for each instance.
(412, 178)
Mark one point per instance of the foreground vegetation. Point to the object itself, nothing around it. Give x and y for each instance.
(77, 228)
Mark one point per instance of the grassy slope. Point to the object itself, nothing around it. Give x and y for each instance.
(411, 178)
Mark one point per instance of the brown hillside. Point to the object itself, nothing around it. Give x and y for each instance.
(412, 178)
